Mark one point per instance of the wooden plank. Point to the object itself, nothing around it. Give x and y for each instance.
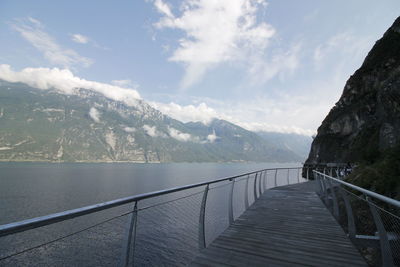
(286, 226)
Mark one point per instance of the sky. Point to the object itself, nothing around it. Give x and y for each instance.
(266, 65)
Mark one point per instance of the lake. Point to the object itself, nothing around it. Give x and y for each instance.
(34, 189)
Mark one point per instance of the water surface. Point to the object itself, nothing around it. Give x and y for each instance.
(167, 233)
(34, 189)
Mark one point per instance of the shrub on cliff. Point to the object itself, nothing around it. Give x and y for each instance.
(382, 175)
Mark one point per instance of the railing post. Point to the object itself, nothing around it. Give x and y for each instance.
(317, 178)
(386, 252)
(323, 186)
(321, 178)
(276, 174)
(334, 199)
(231, 203)
(265, 179)
(288, 170)
(131, 233)
(246, 193)
(308, 169)
(351, 226)
(255, 187)
(202, 217)
(259, 184)
(298, 175)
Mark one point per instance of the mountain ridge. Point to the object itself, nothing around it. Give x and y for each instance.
(46, 125)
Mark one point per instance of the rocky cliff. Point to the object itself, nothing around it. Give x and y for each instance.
(365, 122)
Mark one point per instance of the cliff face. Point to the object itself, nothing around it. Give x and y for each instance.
(366, 119)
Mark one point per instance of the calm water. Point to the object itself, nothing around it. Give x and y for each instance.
(34, 189)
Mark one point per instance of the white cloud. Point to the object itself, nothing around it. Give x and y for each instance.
(150, 130)
(79, 38)
(32, 30)
(129, 129)
(35, 21)
(163, 8)
(266, 127)
(342, 46)
(172, 132)
(212, 137)
(201, 112)
(215, 32)
(178, 135)
(94, 114)
(153, 132)
(284, 113)
(122, 83)
(281, 62)
(64, 81)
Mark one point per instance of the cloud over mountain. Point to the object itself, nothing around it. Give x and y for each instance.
(178, 135)
(201, 112)
(64, 81)
(94, 114)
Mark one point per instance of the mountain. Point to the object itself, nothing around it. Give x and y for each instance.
(297, 143)
(46, 125)
(366, 119)
(364, 125)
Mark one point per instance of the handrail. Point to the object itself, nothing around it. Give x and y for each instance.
(16, 227)
(388, 200)
(385, 233)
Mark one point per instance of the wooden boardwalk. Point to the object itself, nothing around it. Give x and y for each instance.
(286, 226)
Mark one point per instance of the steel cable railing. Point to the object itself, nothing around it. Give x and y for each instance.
(163, 227)
(338, 170)
(371, 220)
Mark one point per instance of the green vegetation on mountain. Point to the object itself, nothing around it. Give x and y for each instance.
(380, 174)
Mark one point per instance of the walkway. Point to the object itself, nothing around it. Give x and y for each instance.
(286, 226)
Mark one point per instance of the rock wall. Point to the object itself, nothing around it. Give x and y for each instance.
(366, 119)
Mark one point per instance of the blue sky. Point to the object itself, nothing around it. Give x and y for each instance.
(266, 65)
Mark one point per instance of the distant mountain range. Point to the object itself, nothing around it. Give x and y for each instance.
(46, 125)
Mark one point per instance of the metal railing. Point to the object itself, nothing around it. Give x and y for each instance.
(339, 170)
(239, 193)
(371, 220)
